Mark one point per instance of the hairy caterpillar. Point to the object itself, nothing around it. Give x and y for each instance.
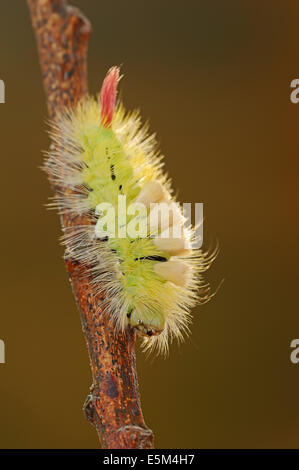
(101, 155)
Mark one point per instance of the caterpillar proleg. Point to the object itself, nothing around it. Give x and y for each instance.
(105, 159)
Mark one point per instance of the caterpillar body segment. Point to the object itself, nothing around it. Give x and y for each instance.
(105, 159)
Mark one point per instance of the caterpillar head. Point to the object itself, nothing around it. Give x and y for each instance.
(147, 324)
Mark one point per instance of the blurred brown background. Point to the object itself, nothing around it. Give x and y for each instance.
(214, 79)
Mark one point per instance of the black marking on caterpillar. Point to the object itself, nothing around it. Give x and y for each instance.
(152, 258)
(112, 172)
(129, 313)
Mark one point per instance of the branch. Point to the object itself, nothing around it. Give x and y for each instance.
(113, 405)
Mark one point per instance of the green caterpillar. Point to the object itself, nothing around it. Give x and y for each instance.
(106, 159)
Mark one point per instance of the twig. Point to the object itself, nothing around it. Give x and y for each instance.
(113, 405)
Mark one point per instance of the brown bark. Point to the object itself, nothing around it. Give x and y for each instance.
(113, 405)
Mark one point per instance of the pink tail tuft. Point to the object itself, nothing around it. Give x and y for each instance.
(108, 96)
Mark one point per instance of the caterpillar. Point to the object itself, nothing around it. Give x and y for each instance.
(104, 158)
